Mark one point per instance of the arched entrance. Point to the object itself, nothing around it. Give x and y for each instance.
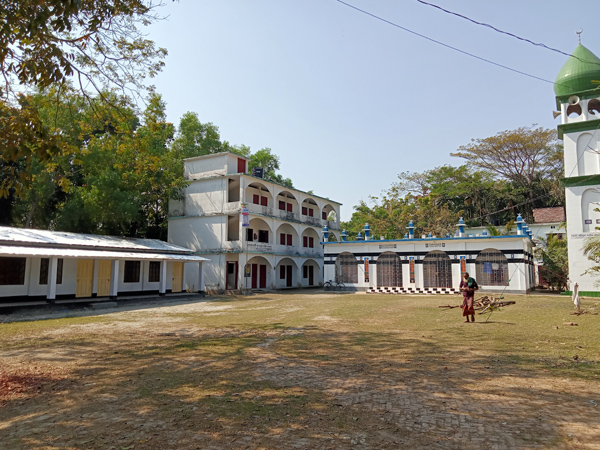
(389, 270)
(346, 268)
(491, 268)
(259, 273)
(437, 270)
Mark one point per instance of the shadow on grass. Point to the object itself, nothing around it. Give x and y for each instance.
(273, 386)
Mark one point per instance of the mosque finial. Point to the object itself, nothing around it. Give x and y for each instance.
(579, 34)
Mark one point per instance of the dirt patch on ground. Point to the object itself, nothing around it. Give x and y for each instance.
(157, 379)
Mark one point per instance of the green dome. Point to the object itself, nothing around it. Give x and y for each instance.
(578, 72)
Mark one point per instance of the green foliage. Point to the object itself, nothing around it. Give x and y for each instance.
(529, 158)
(270, 163)
(553, 252)
(93, 43)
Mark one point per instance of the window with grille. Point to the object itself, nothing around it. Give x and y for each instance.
(154, 272)
(437, 270)
(491, 268)
(131, 272)
(45, 266)
(346, 268)
(389, 270)
(12, 271)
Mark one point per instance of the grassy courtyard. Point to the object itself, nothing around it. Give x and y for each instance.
(308, 370)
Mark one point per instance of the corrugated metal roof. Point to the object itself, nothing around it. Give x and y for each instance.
(61, 239)
(46, 252)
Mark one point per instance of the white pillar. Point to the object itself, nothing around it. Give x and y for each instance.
(52, 270)
(114, 278)
(201, 277)
(162, 287)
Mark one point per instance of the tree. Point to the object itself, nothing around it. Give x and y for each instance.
(97, 42)
(553, 252)
(94, 43)
(524, 157)
(270, 164)
(195, 138)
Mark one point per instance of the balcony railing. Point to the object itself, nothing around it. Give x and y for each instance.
(288, 215)
(314, 221)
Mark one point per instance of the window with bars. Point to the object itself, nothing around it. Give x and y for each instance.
(12, 271)
(389, 270)
(45, 267)
(346, 268)
(491, 268)
(131, 272)
(154, 272)
(437, 270)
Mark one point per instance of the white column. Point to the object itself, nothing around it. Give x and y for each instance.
(201, 277)
(52, 270)
(162, 287)
(114, 278)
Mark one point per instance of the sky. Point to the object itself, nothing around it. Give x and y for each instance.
(348, 101)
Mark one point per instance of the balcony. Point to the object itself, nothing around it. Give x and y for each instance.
(259, 209)
(288, 215)
(231, 207)
(314, 221)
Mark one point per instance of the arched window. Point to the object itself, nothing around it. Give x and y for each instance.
(389, 270)
(437, 270)
(491, 268)
(346, 268)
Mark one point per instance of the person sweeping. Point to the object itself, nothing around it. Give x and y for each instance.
(468, 286)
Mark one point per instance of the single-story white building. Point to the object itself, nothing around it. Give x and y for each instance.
(50, 265)
(431, 264)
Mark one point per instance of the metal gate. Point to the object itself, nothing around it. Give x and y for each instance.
(491, 268)
(389, 270)
(437, 270)
(346, 268)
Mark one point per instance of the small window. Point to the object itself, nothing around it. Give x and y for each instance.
(304, 210)
(264, 201)
(311, 242)
(12, 271)
(131, 272)
(311, 212)
(282, 272)
(304, 241)
(289, 207)
(263, 236)
(255, 199)
(281, 205)
(249, 234)
(45, 267)
(154, 272)
(289, 239)
(324, 215)
(282, 239)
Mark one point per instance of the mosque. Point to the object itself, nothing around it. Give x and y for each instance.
(500, 263)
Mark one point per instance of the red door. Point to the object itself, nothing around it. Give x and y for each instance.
(288, 281)
(311, 276)
(263, 276)
(241, 165)
(254, 276)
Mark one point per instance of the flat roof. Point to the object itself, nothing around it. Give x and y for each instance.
(212, 155)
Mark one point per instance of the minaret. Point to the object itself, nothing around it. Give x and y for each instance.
(578, 98)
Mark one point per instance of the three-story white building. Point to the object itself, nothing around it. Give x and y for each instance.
(280, 246)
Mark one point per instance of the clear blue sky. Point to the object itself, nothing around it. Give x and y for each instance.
(347, 101)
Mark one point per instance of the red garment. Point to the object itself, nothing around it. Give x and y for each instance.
(468, 299)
